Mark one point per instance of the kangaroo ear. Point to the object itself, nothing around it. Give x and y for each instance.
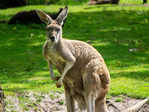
(62, 16)
(44, 17)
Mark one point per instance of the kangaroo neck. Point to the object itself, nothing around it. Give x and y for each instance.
(60, 43)
(57, 46)
(54, 45)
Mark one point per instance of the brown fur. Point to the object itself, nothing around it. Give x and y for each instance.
(89, 75)
(85, 76)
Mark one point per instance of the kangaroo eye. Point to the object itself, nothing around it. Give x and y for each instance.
(48, 28)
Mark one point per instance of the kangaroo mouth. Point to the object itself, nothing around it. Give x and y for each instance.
(52, 39)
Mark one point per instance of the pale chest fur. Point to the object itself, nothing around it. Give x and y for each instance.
(52, 55)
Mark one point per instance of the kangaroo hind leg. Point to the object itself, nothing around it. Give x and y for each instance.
(90, 102)
(89, 84)
(69, 100)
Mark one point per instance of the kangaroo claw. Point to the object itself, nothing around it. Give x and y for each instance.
(59, 83)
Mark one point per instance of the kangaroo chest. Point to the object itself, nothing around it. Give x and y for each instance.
(55, 57)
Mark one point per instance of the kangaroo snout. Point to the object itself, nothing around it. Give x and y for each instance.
(52, 38)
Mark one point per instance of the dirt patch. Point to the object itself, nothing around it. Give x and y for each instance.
(124, 102)
(54, 102)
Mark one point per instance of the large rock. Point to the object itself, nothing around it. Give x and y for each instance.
(29, 17)
(12, 3)
(115, 1)
(25, 17)
(144, 1)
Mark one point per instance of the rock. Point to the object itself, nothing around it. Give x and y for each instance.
(115, 1)
(25, 17)
(12, 3)
(29, 17)
(144, 1)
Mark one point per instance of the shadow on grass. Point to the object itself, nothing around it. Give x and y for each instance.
(112, 33)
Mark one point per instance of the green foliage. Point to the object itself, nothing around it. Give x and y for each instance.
(119, 33)
(120, 99)
(131, 1)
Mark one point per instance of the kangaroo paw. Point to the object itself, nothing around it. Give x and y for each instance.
(56, 78)
(59, 83)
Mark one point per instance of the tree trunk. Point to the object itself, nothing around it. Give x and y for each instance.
(1, 100)
(144, 1)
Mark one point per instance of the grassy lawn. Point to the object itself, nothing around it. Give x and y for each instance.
(119, 33)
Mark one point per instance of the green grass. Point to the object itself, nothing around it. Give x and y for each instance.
(120, 99)
(76, 2)
(112, 30)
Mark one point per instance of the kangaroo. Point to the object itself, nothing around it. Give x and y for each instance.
(84, 73)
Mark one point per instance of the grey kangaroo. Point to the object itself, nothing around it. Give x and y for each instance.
(84, 74)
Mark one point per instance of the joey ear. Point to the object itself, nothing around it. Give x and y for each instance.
(62, 16)
(44, 17)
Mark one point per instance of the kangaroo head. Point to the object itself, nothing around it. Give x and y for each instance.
(54, 27)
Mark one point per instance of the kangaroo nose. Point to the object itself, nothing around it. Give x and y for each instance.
(52, 38)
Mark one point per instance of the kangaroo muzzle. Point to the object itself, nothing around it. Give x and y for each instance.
(52, 38)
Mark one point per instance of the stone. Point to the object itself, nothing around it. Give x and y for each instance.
(29, 17)
(12, 3)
